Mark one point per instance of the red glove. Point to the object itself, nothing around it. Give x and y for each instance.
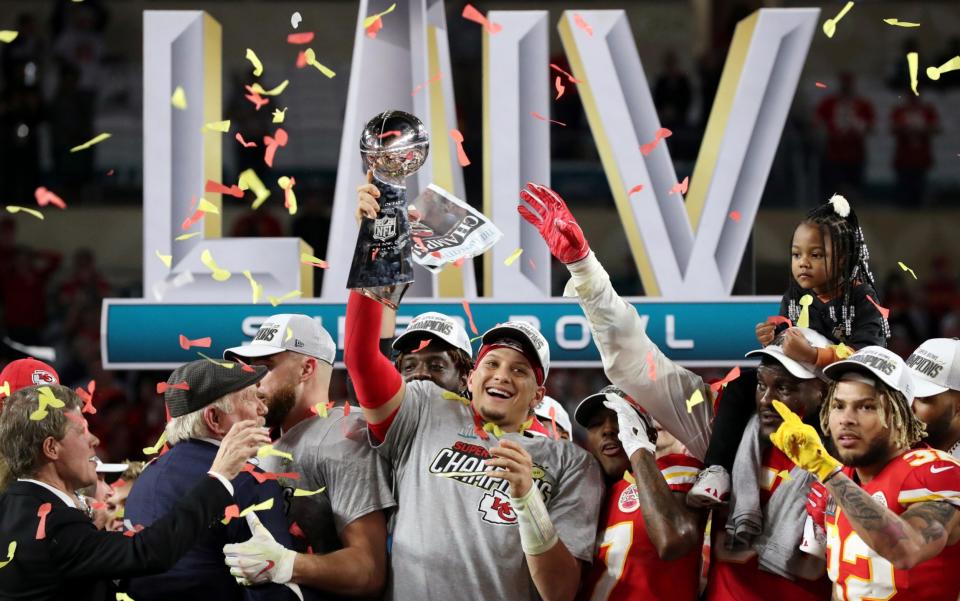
(817, 503)
(555, 223)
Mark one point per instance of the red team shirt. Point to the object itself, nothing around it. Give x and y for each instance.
(730, 581)
(626, 566)
(859, 572)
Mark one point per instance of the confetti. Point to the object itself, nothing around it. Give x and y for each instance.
(433, 79)
(735, 215)
(220, 275)
(272, 143)
(87, 396)
(387, 134)
(694, 400)
(248, 180)
(732, 375)
(953, 64)
(301, 59)
(230, 512)
(785, 475)
(218, 188)
(16, 209)
(820, 85)
(570, 77)
(257, 288)
(276, 91)
(374, 27)
(156, 448)
(5, 388)
(778, 319)
(295, 19)
(244, 143)
(905, 268)
(279, 115)
(314, 261)
(257, 100)
(635, 189)
(513, 257)
(466, 309)
(661, 134)
(42, 513)
(186, 343)
(369, 20)
(558, 84)
(883, 311)
(221, 126)
(311, 59)
(804, 320)
(275, 300)
(346, 408)
(263, 506)
(12, 547)
(289, 198)
(299, 492)
(830, 25)
(542, 118)
(7, 35)
(179, 99)
(461, 153)
(651, 367)
(95, 140)
(257, 65)
(163, 386)
(300, 38)
(843, 351)
(262, 477)
(472, 14)
(579, 22)
(268, 450)
(423, 344)
(46, 197)
(296, 531)
(223, 364)
(913, 60)
(208, 207)
(553, 422)
(898, 23)
(322, 409)
(183, 237)
(46, 399)
(680, 187)
(165, 259)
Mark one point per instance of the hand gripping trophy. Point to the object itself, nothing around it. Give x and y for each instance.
(394, 144)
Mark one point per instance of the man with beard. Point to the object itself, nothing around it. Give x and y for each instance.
(342, 532)
(649, 541)
(893, 531)
(935, 367)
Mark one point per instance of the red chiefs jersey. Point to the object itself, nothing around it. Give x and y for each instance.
(626, 566)
(860, 572)
(731, 581)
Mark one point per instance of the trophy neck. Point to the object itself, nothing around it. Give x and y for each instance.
(399, 182)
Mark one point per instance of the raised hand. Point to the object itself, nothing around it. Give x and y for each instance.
(240, 443)
(801, 443)
(635, 431)
(555, 223)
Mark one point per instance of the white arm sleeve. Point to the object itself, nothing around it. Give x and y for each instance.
(619, 334)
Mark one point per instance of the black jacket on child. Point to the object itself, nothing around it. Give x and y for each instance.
(827, 318)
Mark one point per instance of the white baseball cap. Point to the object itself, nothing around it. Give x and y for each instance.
(886, 365)
(560, 414)
(526, 335)
(800, 369)
(433, 325)
(935, 367)
(110, 468)
(288, 332)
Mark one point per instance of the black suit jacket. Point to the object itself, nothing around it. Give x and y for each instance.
(76, 561)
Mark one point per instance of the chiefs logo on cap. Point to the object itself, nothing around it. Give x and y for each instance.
(42, 376)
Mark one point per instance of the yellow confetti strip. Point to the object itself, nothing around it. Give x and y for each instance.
(953, 64)
(913, 63)
(830, 25)
(208, 207)
(305, 258)
(289, 334)
(265, 505)
(369, 20)
(905, 268)
(267, 450)
(290, 197)
(695, 399)
(899, 23)
(223, 364)
(785, 475)
(299, 492)
(5, 388)
(513, 257)
(274, 300)
(156, 448)
(182, 237)
(273, 92)
(28, 211)
(311, 57)
(452, 396)
(257, 65)
(96, 140)
(221, 126)
(7, 35)
(279, 115)
(843, 351)
(804, 321)
(257, 288)
(122, 596)
(250, 181)
(12, 547)
(179, 99)
(167, 259)
(220, 275)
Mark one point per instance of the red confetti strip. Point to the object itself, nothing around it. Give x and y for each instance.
(296, 531)
(98, 505)
(459, 262)
(87, 396)
(244, 143)
(472, 14)
(778, 319)
(288, 193)
(423, 344)
(461, 153)
(304, 37)
(820, 85)
(662, 134)
(132, 533)
(42, 513)
(119, 483)
(732, 375)
(635, 189)
(109, 173)
(735, 215)
(651, 367)
(46, 197)
(558, 84)
(883, 311)
(436, 254)
(466, 309)
(387, 134)
(272, 143)
(570, 77)
(376, 26)
(542, 118)
(681, 187)
(553, 422)
(219, 188)
(477, 422)
(301, 60)
(186, 343)
(231, 511)
(579, 22)
(262, 477)
(255, 97)
(163, 386)
(433, 79)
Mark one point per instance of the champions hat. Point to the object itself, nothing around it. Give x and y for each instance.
(592, 403)
(531, 343)
(935, 367)
(802, 370)
(26, 372)
(559, 413)
(879, 362)
(287, 332)
(433, 325)
(111, 468)
(207, 382)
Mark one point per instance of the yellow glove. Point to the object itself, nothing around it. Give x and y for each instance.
(802, 444)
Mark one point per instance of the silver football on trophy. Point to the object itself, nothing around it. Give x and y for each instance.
(394, 144)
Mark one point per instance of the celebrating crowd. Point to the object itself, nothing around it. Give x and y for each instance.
(828, 471)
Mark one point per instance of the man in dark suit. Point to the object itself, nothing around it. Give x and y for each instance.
(49, 549)
(202, 413)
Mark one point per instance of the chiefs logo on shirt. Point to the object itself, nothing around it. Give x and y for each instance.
(628, 501)
(495, 508)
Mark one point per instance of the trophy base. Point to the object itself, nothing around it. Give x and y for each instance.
(385, 295)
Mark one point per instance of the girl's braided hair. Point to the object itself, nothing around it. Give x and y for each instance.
(849, 262)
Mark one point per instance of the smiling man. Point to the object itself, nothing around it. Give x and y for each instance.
(935, 367)
(511, 514)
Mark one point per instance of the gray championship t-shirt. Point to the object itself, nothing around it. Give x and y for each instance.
(331, 452)
(454, 535)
